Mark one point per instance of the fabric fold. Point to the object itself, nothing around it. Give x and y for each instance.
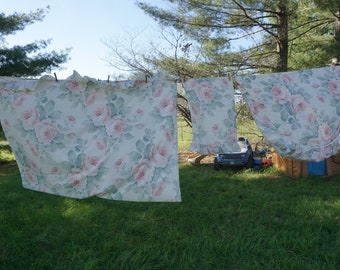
(81, 137)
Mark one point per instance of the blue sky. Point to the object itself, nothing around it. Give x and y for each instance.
(83, 26)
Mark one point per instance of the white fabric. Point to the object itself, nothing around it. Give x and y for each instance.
(81, 137)
(298, 112)
(213, 115)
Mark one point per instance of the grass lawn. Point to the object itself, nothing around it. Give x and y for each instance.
(184, 134)
(246, 129)
(227, 220)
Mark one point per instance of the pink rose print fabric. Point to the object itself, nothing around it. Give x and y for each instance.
(81, 137)
(297, 112)
(213, 115)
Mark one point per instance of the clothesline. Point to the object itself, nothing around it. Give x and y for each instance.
(77, 138)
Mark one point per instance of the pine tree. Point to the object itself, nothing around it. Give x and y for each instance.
(27, 60)
(272, 30)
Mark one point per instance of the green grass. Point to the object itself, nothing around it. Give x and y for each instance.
(184, 135)
(246, 129)
(227, 220)
(6, 154)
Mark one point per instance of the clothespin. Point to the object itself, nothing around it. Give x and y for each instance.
(55, 76)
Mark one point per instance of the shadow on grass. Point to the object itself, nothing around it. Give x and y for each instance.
(227, 220)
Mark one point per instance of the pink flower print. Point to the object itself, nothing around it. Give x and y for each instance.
(256, 107)
(54, 170)
(116, 126)
(337, 72)
(334, 88)
(313, 142)
(46, 131)
(157, 92)
(139, 112)
(6, 123)
(195, 109)
(167, 107)
(34, 149)
(101, 144)
(140, 125)
(90, 165)
(215, 129)
(280, 93)
(32, 165)
(75, 86)
(118, 163)
(298, 104)
(91, 99)
(169, 135)
(100, 116)
(205, 92)
(30, 119)
(191, 84)
(321, 153)
(225, 82)
(327, 151)
(77, 179)
(143, 172)
(160, 155)
(286, 78)
(71, 120)
(19, 100)
(325, 132)
(158, 189)
(321, 99)
(30, 177)
(285, 130)
(266, 121)
(311, 119)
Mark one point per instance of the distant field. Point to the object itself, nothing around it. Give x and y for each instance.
(245, 129)
(6, 154)
(184, 135)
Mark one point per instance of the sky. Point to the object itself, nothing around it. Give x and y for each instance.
(83, 26)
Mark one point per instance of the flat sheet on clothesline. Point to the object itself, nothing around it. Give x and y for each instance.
(298, 112)
(81, 137)
(213, 115)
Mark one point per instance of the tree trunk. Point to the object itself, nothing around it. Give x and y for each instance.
(282, 36)
(337, 39)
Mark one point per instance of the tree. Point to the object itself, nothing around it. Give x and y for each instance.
(128, 55)
(272, 36)
(270, 28)
(27, 60)
(332, 7)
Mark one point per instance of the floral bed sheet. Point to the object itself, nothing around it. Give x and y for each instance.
(298, 112)
(81, 137)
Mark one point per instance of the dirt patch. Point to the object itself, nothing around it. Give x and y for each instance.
(184, 155)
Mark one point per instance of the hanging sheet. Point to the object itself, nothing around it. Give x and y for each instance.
(297, 112)
(81, 137)
(213, 116)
